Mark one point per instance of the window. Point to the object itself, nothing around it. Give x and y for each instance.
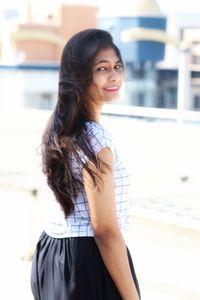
(196, 102)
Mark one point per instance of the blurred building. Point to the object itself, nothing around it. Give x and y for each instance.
(36, 37)
(153, 46)
(31, 43)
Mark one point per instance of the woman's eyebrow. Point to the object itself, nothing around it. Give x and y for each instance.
(105, 61)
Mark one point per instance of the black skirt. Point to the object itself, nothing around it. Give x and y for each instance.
(72, 269)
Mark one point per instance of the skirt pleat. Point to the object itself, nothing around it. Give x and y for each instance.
(72, 269)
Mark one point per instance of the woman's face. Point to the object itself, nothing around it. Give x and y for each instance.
(107, 76)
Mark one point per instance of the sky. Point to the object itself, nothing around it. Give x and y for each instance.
(167, 6)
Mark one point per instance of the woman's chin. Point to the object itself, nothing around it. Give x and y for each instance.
(112, 98)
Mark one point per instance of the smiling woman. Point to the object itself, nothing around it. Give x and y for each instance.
(82, 253)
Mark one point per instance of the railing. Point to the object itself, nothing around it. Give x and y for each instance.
(152, 113)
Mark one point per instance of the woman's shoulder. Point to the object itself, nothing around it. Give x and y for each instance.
(98, 135)
(95, 129)
(93, 125)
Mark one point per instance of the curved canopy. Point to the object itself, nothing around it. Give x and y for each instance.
(31, 34)
(155, 35)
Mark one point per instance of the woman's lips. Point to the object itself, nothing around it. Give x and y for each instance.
(111, 89)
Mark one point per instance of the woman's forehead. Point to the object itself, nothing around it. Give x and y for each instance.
(106, 55)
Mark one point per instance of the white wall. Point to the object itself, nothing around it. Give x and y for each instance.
(20, 88)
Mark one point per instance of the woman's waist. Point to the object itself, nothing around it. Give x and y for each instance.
(69, 228)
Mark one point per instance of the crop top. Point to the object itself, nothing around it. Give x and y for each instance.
(77, 224)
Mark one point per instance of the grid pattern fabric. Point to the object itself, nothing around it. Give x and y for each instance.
(77, 224)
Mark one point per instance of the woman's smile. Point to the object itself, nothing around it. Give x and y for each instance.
(112, 89)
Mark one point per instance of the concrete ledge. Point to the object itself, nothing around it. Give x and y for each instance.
(166, 218)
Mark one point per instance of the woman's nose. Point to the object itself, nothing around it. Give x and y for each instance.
(113, 76)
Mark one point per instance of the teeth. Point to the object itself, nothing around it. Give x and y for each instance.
(112, 88)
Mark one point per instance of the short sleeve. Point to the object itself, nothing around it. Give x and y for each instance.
(99, 137)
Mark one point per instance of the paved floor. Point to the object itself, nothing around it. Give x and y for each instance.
(167, 259)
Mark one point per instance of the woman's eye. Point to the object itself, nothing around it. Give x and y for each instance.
(118, 66)
(106, 68)
(101, 69)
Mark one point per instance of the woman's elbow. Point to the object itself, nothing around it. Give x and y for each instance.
(105, 230)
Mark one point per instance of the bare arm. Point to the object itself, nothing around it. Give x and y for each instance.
(106, 230)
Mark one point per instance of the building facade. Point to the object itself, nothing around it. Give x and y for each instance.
(153, 46)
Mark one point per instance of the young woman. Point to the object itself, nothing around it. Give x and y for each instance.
(82, 255)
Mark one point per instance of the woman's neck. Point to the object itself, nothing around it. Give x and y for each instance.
(96, 112)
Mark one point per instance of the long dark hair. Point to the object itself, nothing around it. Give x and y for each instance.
(63, 137)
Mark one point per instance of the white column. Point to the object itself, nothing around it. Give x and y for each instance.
(184, 81)
(8, 53)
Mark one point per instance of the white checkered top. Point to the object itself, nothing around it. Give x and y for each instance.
(77, 224)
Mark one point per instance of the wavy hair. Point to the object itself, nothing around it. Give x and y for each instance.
(63, 137)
